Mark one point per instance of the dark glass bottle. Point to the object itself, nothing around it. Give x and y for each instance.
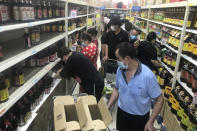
(27, 39)
(4, 12)
(44, 11)
(4, 94)
(50, 12)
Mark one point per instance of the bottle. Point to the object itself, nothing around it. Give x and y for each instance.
(16, 12)
(27, 39)
(194, 84)
(191, 46)
(37, 33)
(4, 94)
(194, 52)
(190, 78)
(4, 12)
(162, 79)
(54, 27)
(53, 9)
(23, 11)
(184, 73)
(168, 87)
(60, 27)
(44, 11)
(50, 12)
(1, 53)
(62, 10)
(18, 76)
(173, 63)
(33, 36)
(12, 118)
(31, 9)
(39, 10)
(57, 10)
(177, 41)
(186, 42)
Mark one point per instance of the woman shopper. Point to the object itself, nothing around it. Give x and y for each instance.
(93, 33)
(77, 65)
(89, 48)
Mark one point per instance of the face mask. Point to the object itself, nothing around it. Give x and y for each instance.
(121, 65)
(112, 28)
(83, 44)
(133, 37)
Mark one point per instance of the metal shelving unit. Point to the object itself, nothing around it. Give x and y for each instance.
(188, 5)
(14, 56)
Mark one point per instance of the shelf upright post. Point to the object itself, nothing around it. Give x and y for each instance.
(65, 81)
(87, 16)
(95, 16)
(66, 23)
(181, 45)
(147, 26)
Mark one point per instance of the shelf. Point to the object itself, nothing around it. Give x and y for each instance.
(143, 30)
(167, 68)
(145, 7)
(189, 90)
(167, 25)
(77, 29)
(182, 55)
(141, 18)
(14, 56)
(191, 31)
(77, 17)
(92, 14)
(168, 5)
(116, 9)
(56, 83)
(17, 94)
(25, 127)
(78, 2)
(28, 24)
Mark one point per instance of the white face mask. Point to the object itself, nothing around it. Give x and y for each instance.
(112, 28)
(122, 65)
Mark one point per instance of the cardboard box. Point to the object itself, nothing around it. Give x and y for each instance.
(98, 115)
(86, 114)
(168, 118)
(68, 115)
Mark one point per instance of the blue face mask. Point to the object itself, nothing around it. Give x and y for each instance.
(83, 44)
(121, 65)
(133, 37)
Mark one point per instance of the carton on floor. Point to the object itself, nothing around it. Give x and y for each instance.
(86, 114)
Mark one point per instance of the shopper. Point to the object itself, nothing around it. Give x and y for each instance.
(79, 66)
(128, 27)
(89, 48)
(114, 38)
(104, 47)
(147, 53)
(133, 37)
(136, 86)
(93, 33)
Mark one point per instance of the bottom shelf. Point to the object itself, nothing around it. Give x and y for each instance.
(34, 112)
(25, 127)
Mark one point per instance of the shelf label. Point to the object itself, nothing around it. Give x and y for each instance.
(2, 111)
(30, 24)
(34, 52)
(35, 81)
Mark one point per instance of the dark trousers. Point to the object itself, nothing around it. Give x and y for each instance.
(128, 122)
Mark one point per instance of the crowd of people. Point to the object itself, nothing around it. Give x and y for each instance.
(136, 84)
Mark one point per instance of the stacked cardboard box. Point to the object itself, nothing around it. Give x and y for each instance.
(81, 114)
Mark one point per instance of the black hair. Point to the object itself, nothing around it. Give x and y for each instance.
(92, 31)
(151, 36)
(126, 49)
(128, 26)
(86, 37)
(63, 51)
(116, 21)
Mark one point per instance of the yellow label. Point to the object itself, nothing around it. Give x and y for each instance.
(177, 42)
(4, 94)
(171, 98)
(98, 15)
(158, 78)
(164, 60)
(173, 64)
(7, 82)
(90, 22)
(175, 105)
(33, 36)
(190, 47)
(21, 79)
(189, 24)
(168, 62)
(161, 81)
(48, 28)
(195, 50)
(60, 28)
(185, 46)
(170, 39)
(168, 90)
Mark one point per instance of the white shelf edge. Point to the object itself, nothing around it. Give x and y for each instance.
(92, 14)
(79, 16)
(14, 97)
(141, 18)
(77, 2)
(28, 24)
(25, 127)
(173, 4)
(5, 64)
(189, 90)
(77, 29)
(56, 83)
(121, 9)
(167, 25)
(169, 70)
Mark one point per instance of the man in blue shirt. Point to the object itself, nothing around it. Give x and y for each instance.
(136, 86)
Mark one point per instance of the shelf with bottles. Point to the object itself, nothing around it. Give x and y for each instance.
(77, 2)
(182, 106)
(75, 10)
(24, 77)
(20, 14)
(141, 18)
(31, 42)
(166, 66)
(19, 116)
(140, 24)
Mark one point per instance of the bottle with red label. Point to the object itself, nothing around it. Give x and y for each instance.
(15, 11)
(4, 12)
(38, 10)
(27, 39)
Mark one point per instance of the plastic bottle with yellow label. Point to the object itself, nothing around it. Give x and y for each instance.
(4, 94)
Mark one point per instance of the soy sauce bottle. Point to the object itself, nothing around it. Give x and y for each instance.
(27, 39)
(16, 12)
(44, 11)
(50, 12)
(13, 120)
(4, 94)
(38, 10)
